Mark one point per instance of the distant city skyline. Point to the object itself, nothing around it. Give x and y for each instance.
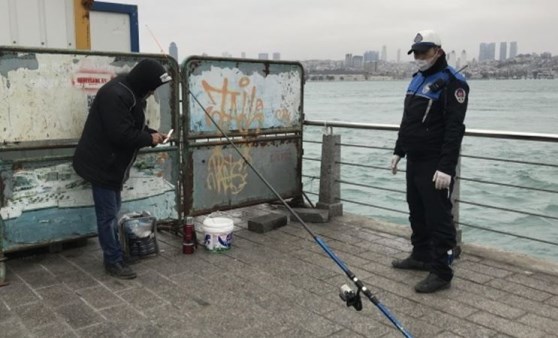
(328, 29)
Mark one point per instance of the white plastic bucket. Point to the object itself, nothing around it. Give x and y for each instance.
(218, 233)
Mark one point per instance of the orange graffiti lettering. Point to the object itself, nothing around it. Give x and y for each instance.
(226, 174)
(225, 107)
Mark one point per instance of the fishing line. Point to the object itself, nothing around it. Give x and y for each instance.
(347, 295)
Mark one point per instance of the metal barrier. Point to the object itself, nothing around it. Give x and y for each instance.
(465, 201)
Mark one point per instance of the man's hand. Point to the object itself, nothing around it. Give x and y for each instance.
(394, 161)
(157, 138)
(441, 180)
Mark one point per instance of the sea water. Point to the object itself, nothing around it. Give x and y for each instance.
(503, 105)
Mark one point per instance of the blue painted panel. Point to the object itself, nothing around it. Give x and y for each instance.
(46, 202)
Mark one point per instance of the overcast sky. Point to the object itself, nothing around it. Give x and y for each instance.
(328, 29)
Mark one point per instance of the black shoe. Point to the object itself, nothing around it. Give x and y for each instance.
(432, 283)
(409, 263)
(130, 260)
(120, 270)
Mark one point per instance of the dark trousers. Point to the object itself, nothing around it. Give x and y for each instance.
(431, 219)
(107, 206)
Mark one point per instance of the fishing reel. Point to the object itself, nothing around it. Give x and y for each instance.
(350, 297)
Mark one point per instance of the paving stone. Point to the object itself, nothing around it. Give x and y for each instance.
(5, 313)
(58, 295)
(55, 330)
(105, 330)
(266, 223)
(16, 293)
(311, 215)
(486, 269)
(472, 276)
(506, 326)
(148, 330)
(417, 327)
(532, 306)
(366, 325)
(530, 281)
(99, 297)
(141, 298)
(126, 318)
(13, 328)
(486, 291)
(520, 290)
(457, 326)
(545, 324)
(38, 278)
(295, 332)
(77, 280)
(346, 334)
(482, 303)
(318, 325)
(34, 315)
(79, 315)
(553, 301)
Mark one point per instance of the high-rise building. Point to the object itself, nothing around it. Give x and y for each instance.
(463, 59)
(173, 51)
(383, 56)
(487, 51)
(357, 61)
(226, 55)
(513, 49)
(503, 51)
(243, 55)
(348, 60)
(398, 55)
(263, 56)
(452, 59)
(492, 51)
(276, 56)
(370, 56)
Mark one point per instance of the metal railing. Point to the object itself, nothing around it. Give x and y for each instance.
(459, 201)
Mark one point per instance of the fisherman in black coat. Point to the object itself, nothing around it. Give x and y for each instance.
(430, 137)
(114, 132)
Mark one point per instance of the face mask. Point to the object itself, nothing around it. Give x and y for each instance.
(425, 64)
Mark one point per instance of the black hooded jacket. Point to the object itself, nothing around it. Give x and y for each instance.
(115, 128)
(432, 124)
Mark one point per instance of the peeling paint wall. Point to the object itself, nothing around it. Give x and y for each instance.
(47, 96)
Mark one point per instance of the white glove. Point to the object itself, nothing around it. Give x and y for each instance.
(394, 161)
(441, 180)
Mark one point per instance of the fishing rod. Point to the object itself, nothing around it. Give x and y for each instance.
(346, 293)
(351, 298)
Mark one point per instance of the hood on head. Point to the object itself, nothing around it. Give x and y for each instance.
(147, 76)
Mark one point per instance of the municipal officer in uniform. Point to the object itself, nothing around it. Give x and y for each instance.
(430, 137)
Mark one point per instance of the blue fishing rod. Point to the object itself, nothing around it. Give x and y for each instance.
(346, 293)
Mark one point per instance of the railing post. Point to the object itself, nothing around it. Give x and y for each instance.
(455, 202)
(330, 174)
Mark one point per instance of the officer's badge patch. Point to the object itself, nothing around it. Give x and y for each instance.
(426, 89)
(418, 38)
(460, 95)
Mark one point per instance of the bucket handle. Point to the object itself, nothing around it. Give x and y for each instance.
(215, 214)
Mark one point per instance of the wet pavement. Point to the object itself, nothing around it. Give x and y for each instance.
(277, 284)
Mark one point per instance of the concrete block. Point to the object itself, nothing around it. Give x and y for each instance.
(311, 215)
(335, 209)
(266, 223)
